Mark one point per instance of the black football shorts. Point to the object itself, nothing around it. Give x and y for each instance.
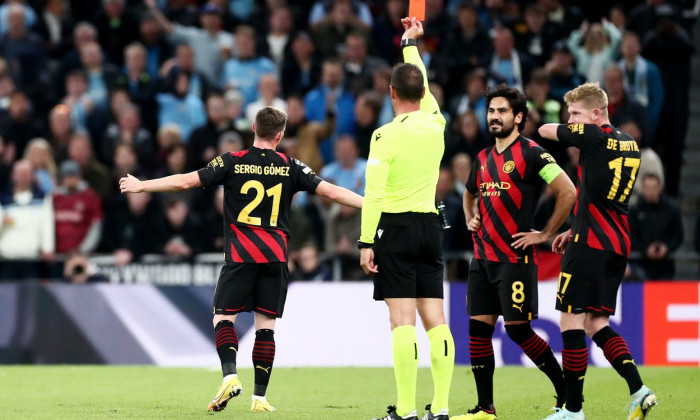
(246, 287)
(502, 288)
(589, 280)
(408, 253)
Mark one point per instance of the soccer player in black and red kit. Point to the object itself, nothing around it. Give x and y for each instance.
(507, 179)
(258, 187)
(596, 248)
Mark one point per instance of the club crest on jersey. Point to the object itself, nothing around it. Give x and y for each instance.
(508, 167)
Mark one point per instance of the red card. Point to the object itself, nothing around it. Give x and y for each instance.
(416, 9)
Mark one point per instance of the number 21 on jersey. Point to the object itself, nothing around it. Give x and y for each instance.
(260, 192)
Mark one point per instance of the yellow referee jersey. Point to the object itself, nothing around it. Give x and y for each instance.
(404, 160)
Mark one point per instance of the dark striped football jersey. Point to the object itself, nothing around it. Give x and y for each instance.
(607, 171)
(508, 186)
(258, 188)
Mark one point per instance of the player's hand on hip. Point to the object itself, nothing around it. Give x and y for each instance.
(560, 242)
(367, 261)
(413, 28)
(525, 239)
(130, 184)
(474, 224)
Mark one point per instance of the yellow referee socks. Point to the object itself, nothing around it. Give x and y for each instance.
(405, 350)
(442, 363)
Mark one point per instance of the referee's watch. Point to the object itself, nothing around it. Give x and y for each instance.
(363, 245)
(408, 42)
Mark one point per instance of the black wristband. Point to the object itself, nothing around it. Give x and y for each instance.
(363, 245)
(408, 42)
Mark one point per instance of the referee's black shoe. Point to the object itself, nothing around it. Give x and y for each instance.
(391, 415)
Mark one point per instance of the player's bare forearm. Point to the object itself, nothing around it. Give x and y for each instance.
(549, 131)
(339, 194)
(566, 197)
(180, 182)
(469, 205)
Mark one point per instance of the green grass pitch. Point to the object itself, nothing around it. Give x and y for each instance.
(109, 392)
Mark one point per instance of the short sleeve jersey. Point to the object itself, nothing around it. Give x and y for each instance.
(258, 189)
(508, 185)
(607, 170)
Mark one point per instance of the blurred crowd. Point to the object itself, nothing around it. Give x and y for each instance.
(93, 90)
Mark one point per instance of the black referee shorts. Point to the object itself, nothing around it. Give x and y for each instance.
(408, 253)
(589, 280)
(246, 287)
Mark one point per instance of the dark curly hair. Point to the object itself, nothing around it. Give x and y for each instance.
(515, 98)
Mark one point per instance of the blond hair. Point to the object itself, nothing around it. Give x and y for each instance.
(590, 95)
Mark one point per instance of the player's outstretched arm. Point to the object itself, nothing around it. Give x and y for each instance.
(180, 182)
(566, 197)
(549, 131)
(339, 194)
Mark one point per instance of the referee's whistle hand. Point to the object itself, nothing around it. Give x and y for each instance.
(367, 261)
(474, 223)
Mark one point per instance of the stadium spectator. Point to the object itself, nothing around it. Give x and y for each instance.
(567, 17)
(594, 46)
(181, 107)
(301, 70)
(211, 44)
(7, 86)
(40, 155)
(276, 42)
(347, 170)
(83, 33)
(506, 64)
(617, 16)
(168, 136)
(235, 112)
(342, 230)
(128, 130)
(323, 11)
(331, 95)
(125, 162)
(28, 14)
(670, 48)
(268, 95)
(243, 72)
(470, 98)
(138, 83)
(183, 62)
(22, 48)
(308, 266)
(55, 26)
(158, 49)
(387, 30)
(358, 65)
(650, 163)
(182, 235)
(563, 76)
(644, 17)
(6, 160)
(101, 76)
(78, 100)
(465, 137)
(204, 140)
(19, 125)
(537, 91)
(340, 20)
(456, 239)
(465, 48)
(117, 27)
(534, 35)
(60, 131)
(309, 134)
(213, 220)
(132, 227)
(622, 107)
(367, 107)
(656, 230)
(26, 226)
(95, 174)
(642, 79)
(380, 85)
(77, 212)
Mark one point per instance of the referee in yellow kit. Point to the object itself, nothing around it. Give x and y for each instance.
(401, 238)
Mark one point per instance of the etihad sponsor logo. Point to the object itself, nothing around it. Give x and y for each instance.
(494, 188)
(508, 166)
